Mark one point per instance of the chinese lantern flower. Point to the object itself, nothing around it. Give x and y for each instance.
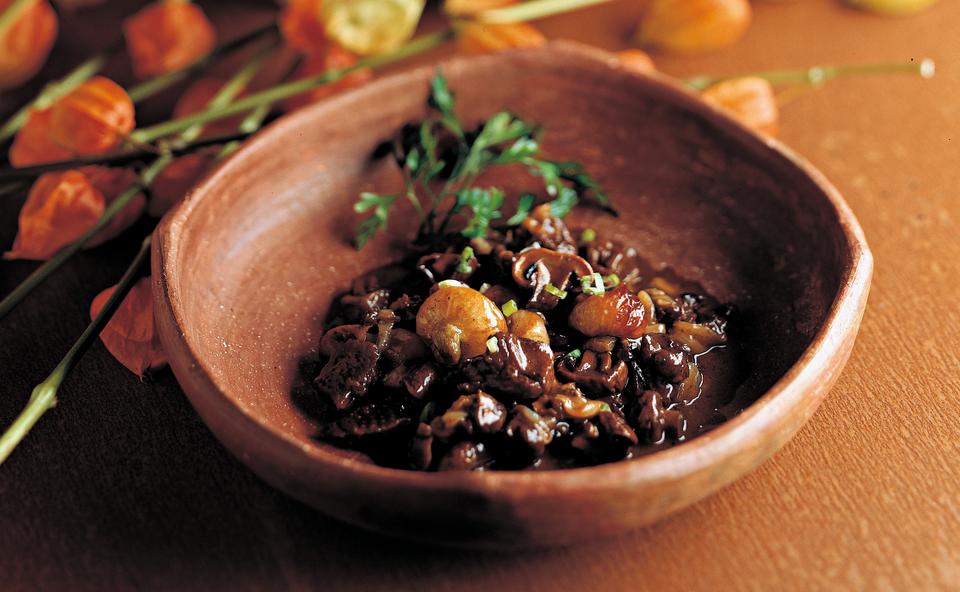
(25, 41)
(749, 99)
(475, 37)
(335, 58)
(131, 335)
(636, 60)
(301, 24)
(371, 27)
(166, 36)
(63, 205)
(197, 97)
(111, 182)
(33, 145)
(694, 26)
(174, 181)
(92, 118)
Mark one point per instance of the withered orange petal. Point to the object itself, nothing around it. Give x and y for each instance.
(131, 335)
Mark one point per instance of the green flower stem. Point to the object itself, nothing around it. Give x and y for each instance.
(147, 176)
(819, 75)
(289, 89)
(533, 9)
(51, 92)
(44, 396)
(160, 83)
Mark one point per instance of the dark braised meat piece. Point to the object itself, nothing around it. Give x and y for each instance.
(358, 308)
(437, 267)
(549, 231)
(406, 307)
(532, 431)
(478, 413)
(352, 365)
(421, 449)
(419, 380)
(374, 418)
(596, 373)
(465, 456)
(616, 429)
(519, 367)
(668, 358)
(608, 258)
(657, 422)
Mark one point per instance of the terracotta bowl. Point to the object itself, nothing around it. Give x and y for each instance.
(245, 269)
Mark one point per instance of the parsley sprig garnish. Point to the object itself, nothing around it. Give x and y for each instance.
(441, 160)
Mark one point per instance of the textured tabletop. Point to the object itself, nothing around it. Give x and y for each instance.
(122, 486)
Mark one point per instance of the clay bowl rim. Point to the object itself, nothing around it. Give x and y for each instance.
(740, 432)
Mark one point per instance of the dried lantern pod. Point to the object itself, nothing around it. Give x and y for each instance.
(166, 36)
(301, 24)
(92, 118)
(177, 179)
(694, 26)
(26, 41)
(197, 98)
(61, 206)
(636, 60)
(131, 335)
(33, 145)
(371, 27)
(334, 58)
(475, 37)
(111, 182)
(749, 99)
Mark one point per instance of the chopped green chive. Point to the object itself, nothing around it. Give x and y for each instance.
(465, 257)
(450, 284)
(611, 281)
(588, 236)
(574, 354)
(509, 307)
(555, 291)
(492, 346)
(605, 407)
(592, 284)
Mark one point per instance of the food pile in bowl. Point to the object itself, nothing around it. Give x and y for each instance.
(512, 343)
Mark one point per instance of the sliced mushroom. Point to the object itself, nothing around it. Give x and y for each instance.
(560, 265)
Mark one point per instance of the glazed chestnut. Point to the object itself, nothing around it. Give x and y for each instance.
(530, 325)
(457, 320)
(618, 313)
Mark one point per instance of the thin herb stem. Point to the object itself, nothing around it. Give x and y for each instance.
(818, 75)
(51, 92)
(44, 396)
(289, 89)
(534, 9)
(160, 83)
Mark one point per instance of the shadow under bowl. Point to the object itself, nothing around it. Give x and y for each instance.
(246, 267)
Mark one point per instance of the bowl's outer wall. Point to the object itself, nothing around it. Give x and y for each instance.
(245, 270)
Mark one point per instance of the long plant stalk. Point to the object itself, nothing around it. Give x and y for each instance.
(818, 75)
(533, 9)
(147, 176)
(44, 396)
(289, 89)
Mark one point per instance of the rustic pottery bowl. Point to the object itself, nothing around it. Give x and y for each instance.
(245, 269)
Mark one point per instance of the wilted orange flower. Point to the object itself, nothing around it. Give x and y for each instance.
(111, 182)
(694, 26)
(301, 24)
(166, 36)
(197, 97)
(749, 99)
(25, 43)
(637, 60)
(470, 7)
(176, 180)
(63, 205)
(92, 118)
(131, 335)
(33, 145)
(476, 37)
(335, 58)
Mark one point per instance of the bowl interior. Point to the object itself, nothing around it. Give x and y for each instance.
(263, 244)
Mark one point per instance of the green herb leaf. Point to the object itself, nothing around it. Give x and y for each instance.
(465, 257)
(566, 199)
(524, 205)
(369, 226)
(485, 206)
(441, 99)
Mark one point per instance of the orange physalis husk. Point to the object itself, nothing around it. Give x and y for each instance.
(694, 26)
(197, 98)
(166, 36)
(475, 37)
(26, 42)
(60, 207)
(63, 205)
(335, 58)
(637, 60)
(131, 335)
(301, 24)
(749, 99)
(92, 118)
(111, 182)
(471, 7)
(173, 182)
(32, 144)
